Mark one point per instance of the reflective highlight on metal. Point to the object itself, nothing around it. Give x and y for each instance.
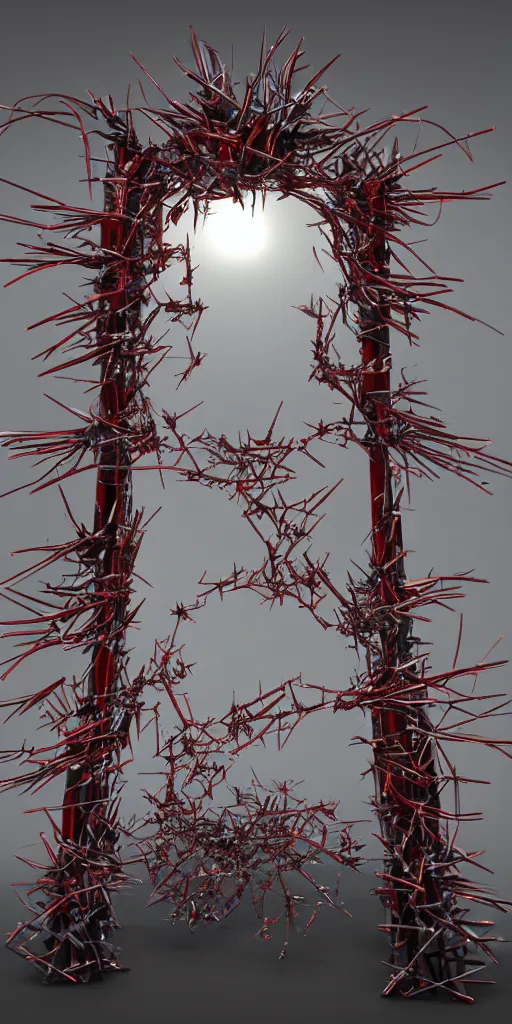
(202, 856)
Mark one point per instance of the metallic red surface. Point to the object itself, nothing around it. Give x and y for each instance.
(201, 856)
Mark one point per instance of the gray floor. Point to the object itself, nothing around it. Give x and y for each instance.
(218, 974)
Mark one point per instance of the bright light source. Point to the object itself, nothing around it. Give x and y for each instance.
(235, 232)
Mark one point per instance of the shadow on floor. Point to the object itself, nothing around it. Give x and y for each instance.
(219, 975)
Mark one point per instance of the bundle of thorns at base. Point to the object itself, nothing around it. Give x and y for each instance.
(204, 855)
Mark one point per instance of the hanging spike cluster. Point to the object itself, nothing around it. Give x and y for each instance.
(202, 857)
(265, 835)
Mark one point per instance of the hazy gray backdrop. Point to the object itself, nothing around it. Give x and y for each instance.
(395, 56)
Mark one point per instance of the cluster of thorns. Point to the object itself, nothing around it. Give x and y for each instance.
(204, 856)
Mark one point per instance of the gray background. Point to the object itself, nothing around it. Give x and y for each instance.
(453, 56)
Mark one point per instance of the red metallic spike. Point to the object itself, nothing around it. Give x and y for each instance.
(202, 856)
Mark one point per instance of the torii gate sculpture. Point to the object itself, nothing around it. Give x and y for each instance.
(218, 147)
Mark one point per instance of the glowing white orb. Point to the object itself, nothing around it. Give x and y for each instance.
(235, 232)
